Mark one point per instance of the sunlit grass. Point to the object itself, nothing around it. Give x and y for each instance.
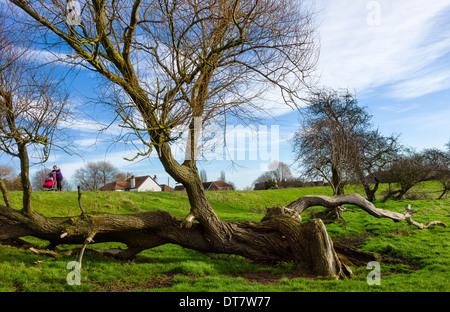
(425, 253)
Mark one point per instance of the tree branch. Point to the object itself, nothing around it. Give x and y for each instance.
(79, 200)
(5, 195)
(305, 202)
(88, 240)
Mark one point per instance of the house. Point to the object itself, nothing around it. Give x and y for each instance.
(211, 186)
(316, 183)
(134, 184)
(217, 186)
(179, 188)
(166, 188)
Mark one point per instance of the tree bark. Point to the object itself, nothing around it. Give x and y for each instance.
(336, 179)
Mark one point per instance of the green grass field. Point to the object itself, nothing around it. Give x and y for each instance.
(423, 256)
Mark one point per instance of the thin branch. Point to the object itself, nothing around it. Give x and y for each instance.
(88, 240)
(5, 195)
(79, 201)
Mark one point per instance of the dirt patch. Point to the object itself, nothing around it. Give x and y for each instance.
(16, 242)
(124, 286)
(265, 278)
(351, 240)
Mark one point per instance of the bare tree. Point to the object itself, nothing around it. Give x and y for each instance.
(337, 142)
(281, 173)
(439, 163)
(32, 102)
(38, 178)
(278, 175)
(7, 176)
(203, 175)
(184, 63)
(327, 145)
(96, 174)
(405, 172)
(222, 176)
(375, 153)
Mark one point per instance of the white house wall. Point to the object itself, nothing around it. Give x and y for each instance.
(148, 186)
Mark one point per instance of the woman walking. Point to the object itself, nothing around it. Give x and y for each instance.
(59, 177)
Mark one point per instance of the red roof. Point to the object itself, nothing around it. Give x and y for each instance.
(209, 186)
(115, 186)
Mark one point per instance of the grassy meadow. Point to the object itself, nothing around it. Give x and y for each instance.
(422, 256)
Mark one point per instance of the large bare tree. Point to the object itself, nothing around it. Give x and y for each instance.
(187, 62)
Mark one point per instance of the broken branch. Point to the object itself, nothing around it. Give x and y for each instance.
(79, 201)
(87, 241)
(305, 202)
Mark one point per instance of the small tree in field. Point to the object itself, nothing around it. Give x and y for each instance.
(407, 171)
(439, 163)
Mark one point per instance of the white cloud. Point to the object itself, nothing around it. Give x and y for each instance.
(86, 142)
(398, 108)
(399, 52)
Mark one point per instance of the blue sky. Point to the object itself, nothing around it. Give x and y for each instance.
(394, 54)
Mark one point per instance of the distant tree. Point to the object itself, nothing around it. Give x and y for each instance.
(439, 162)
(96, 174)
(280, 173)
(121, 177)
(222, 176)
(266, 176)
(407, 171)
(17, 184)
(6, 172)
(270, 184)
(38, 179)
(8, 175)
(203, 175)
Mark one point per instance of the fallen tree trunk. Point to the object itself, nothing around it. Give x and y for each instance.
(275, 238)
(279, 236)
